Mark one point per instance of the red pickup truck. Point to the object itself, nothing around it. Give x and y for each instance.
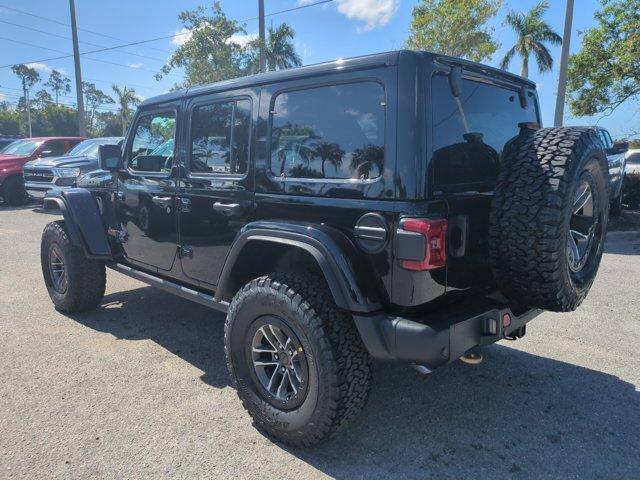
(16, 154)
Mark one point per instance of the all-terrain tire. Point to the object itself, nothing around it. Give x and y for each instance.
(84, 285)
(338, 363)
(532, 211)
(13, 191)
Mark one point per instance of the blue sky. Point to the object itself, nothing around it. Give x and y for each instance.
(342, 28)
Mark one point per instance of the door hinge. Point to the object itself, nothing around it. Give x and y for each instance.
(185, 251)
(185, 205)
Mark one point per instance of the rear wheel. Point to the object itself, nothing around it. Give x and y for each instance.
(549, 216)
(13, 191)
(75, 283)
(297, 361)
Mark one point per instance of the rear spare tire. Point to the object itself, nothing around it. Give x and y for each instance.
(548, 217)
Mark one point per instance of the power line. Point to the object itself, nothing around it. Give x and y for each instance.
(83, 42)
(48, 19)
(20, 42)
(165, 37)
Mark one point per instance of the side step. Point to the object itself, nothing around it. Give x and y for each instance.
(171, 287)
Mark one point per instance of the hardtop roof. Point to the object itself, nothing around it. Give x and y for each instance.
(353, 63)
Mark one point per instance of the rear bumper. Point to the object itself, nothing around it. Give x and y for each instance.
(436, 343)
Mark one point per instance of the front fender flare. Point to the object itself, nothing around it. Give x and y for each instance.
(336, 256)
(83, 221)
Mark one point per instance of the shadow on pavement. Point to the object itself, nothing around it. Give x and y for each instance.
(516, 414)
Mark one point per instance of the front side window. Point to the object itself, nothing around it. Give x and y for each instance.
(153, 131)
(333, 132)
(470, 132)
(220, 137)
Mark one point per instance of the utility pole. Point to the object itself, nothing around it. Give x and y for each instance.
(564, 60)
(25, 91)
(263, 62)
(82, 130)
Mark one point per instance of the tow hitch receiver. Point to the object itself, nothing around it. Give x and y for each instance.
(438, 340)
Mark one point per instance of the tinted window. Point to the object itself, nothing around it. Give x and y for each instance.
(54, 148)
(220, 137)
(152, 131)
(329, 132)
(470, 132)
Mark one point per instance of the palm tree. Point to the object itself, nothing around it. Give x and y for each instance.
(125, 98)
(280, 53)
(532, 33)
(367, 159)
(328, 152)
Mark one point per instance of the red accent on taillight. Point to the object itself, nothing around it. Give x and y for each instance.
(435, 233)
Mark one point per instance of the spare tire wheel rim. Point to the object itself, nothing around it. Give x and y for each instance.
(279, 362)
(584, 226)
(57, 270)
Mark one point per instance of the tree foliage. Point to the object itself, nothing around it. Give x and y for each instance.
(532, 32)
(58, 83)
(211, 52)
(94, 98)
(454, 27)
(605, 73)
(216, 48)
(126, 98)
(280, 52)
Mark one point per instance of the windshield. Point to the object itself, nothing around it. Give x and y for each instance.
(87, 147)
(22, 147)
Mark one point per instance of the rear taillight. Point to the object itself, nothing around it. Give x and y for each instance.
(427, 252)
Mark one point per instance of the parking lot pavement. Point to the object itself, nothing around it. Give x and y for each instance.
(139, 389)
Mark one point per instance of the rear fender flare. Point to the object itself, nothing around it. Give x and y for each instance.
(336, 256)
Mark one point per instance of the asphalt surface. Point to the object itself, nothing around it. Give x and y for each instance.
(139, 389)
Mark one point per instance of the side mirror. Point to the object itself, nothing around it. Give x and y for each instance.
(110, 157)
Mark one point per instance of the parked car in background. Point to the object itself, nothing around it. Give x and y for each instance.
(616, 158)
(43, 174)
(16, 154)
(632, 159)
(7, 139)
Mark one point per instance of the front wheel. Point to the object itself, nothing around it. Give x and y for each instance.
(13, 191)
(75, 283)
(297, 361)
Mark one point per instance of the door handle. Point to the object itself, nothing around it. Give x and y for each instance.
(162, 201)
(228, 209)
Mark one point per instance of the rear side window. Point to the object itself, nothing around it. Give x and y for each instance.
(332, 132)
(220, 137)
(470, 132)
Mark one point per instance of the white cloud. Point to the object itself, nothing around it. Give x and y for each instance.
(184, 35)
(40, 67)
(2, 97)
(135, 65)
(374, 13)
(243, 40)
(44, 68)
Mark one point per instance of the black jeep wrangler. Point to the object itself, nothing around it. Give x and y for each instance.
(403, 206)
